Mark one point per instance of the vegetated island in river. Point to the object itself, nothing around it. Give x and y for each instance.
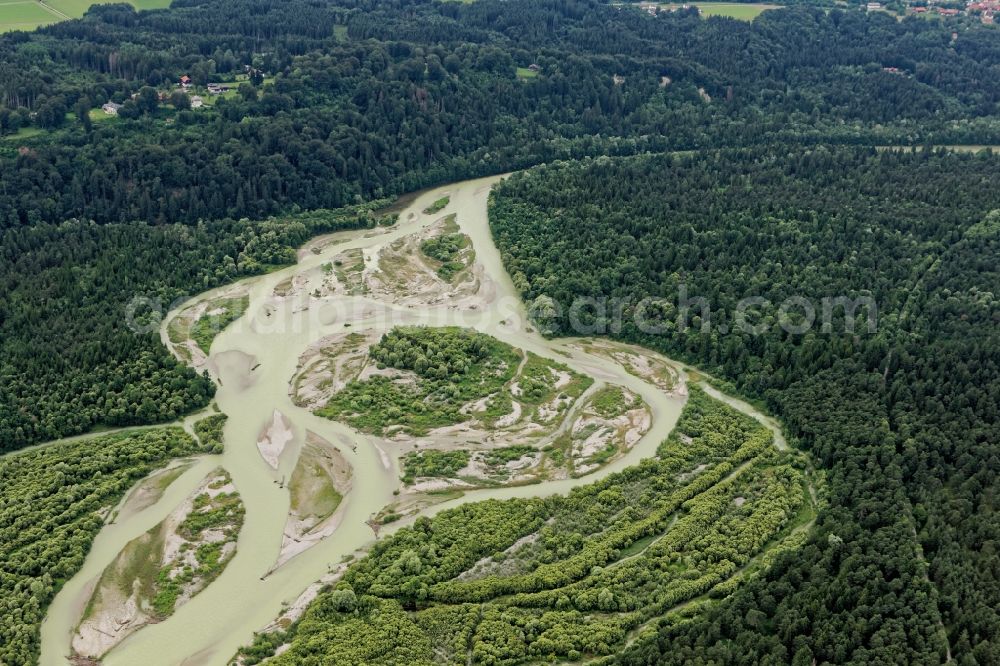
(564, 577)
(474, 411)
(163, 568)
(317, 488)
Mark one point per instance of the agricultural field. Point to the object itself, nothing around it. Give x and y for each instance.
(29, 14)
(743, 11)
(25, 15)
(77, 8)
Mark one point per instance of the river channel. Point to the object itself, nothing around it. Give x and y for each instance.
(254, 359)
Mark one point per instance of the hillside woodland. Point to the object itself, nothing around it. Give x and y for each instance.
(729, 158)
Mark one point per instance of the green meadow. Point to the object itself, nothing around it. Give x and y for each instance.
(737, 10)
(24, 15)
(31, 14)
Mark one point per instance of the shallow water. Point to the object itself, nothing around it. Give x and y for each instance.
(273, 333)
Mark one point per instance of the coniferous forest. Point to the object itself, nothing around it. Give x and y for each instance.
(723, 157)
(372, 100)
(904, 417)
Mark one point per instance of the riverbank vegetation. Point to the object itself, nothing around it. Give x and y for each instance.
(445, 369)
(349, 268)
(444, 388)
(209, 431)
(899, 415)
(433, 464)
(315, 71)
(642, 363)
(205, 321)
(477, 412)
(437, 206)
(319, 482)
(567, 577)
(162, 568)
(208, 534)
(436, 264)
(54, 502)
(450, 251)
(148, 492)
(80, 306)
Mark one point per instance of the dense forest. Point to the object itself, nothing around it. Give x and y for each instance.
(380, 98)
(337, 104)
(757, 185)
(904, 417)
(78, 351)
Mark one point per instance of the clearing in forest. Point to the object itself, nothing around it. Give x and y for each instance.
(744, 11)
